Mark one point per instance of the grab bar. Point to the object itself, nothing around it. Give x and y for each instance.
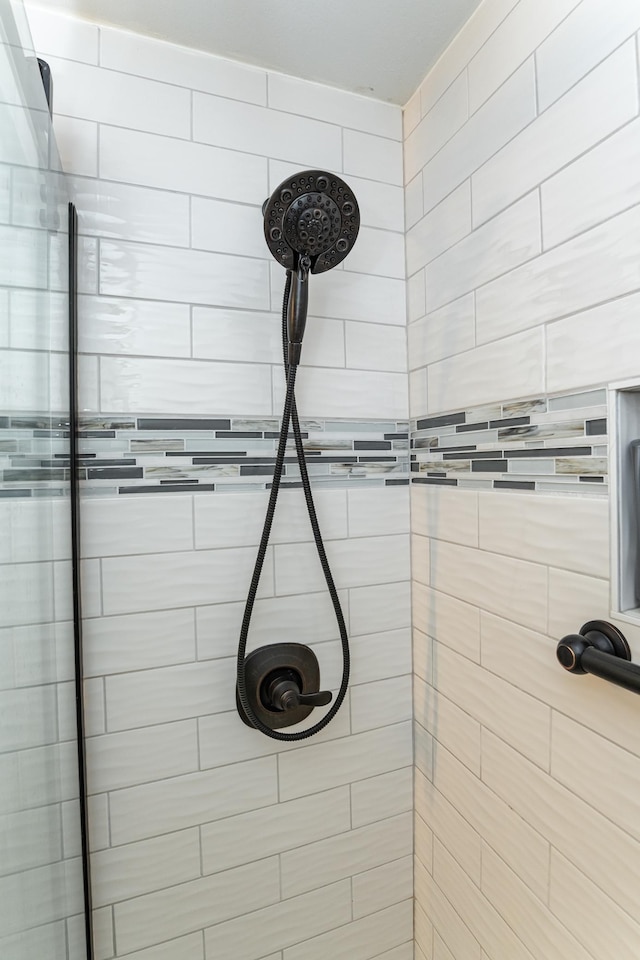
(602, 650)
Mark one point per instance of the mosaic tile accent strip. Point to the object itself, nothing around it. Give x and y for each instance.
(548, 445)
(134, 455)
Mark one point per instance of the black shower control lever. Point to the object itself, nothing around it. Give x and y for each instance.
(601, 649)
(284, 694)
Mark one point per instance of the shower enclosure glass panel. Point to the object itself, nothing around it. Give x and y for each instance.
(41, 886)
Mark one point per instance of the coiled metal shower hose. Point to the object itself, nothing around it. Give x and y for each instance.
(290, 415)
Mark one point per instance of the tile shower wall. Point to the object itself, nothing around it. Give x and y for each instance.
(209, 840)
(523, 244)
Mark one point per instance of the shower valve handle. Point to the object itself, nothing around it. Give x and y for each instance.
(285, 694)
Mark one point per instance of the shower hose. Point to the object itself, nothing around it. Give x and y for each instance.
(290, 415)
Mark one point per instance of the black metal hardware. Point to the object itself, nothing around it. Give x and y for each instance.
(75, 573)
(47, 82)
(282, 684)
(601, 649)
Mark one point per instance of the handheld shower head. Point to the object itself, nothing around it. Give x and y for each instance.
(311, 222)
(312, 214)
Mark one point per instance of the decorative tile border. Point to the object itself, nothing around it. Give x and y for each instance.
(548, 444)
(160, 454)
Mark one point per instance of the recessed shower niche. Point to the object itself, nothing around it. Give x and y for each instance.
(624, 417)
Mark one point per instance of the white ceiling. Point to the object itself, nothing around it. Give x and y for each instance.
(380, 48)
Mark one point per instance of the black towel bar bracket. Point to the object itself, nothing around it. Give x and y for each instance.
(601, 649)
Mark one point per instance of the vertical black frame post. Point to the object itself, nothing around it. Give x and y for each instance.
(76, 574)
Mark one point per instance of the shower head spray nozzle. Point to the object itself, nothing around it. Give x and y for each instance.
(311, 215)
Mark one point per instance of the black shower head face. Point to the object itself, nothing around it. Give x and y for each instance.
(313, 214)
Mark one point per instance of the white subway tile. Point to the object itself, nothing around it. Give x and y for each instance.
(254, 129)
(448, 620)
(416, 296)
(356, 562)
(383, 796)
(163, 581)
(496, 936)
(520, 719)
(474, 33)
(445, 918)
(568, 533)
(361, 940)
(275, 830)
(53, 887)
(34, 530)
(31, 838)
(346, 393)
(138, 642)
(180, 802)
(39, 776)
(600, 925)
(57, 35)
(36, 941)
(573, 600)
(149, 57)
(346, 854)
(227, 228)
(593, 188)
(593, 267)
(335, 106)
(133, 156)
(169, 913)
(516, 38)
(450, 723)
(593, 346)
(507, 112)
(420, 558)
(372, 157)
(122, 873)
(117, 760)
(247, 937)
(236, 520)
(190, 947)
(511, 588)
(540, 931)
(413, 202)
(98, 807)
(378, 252)
(77, 142)
(322, 766)
(380, 703)
(378, 512)
(511, 367)
(382, 887)
(140, 385)
(189, 276)
(380, 607)
(440, 229)
(139, 327)
(492, 249)
(445, 514)
(309, 614)
(411, 114)
(170, 693)
(578, 758)
(585, 38)
(599, 848)
(448, 826)
(115, 526)
(106, 96)
(446, 116)
(26, 594)
(418, 392)
(103, 933)
(443, 333)
(602, 102)
(239, 335)
(372, 346)
(131, 213)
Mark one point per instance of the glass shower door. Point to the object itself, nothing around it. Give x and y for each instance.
(41, 878)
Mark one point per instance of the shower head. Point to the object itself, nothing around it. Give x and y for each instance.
(311, 215)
